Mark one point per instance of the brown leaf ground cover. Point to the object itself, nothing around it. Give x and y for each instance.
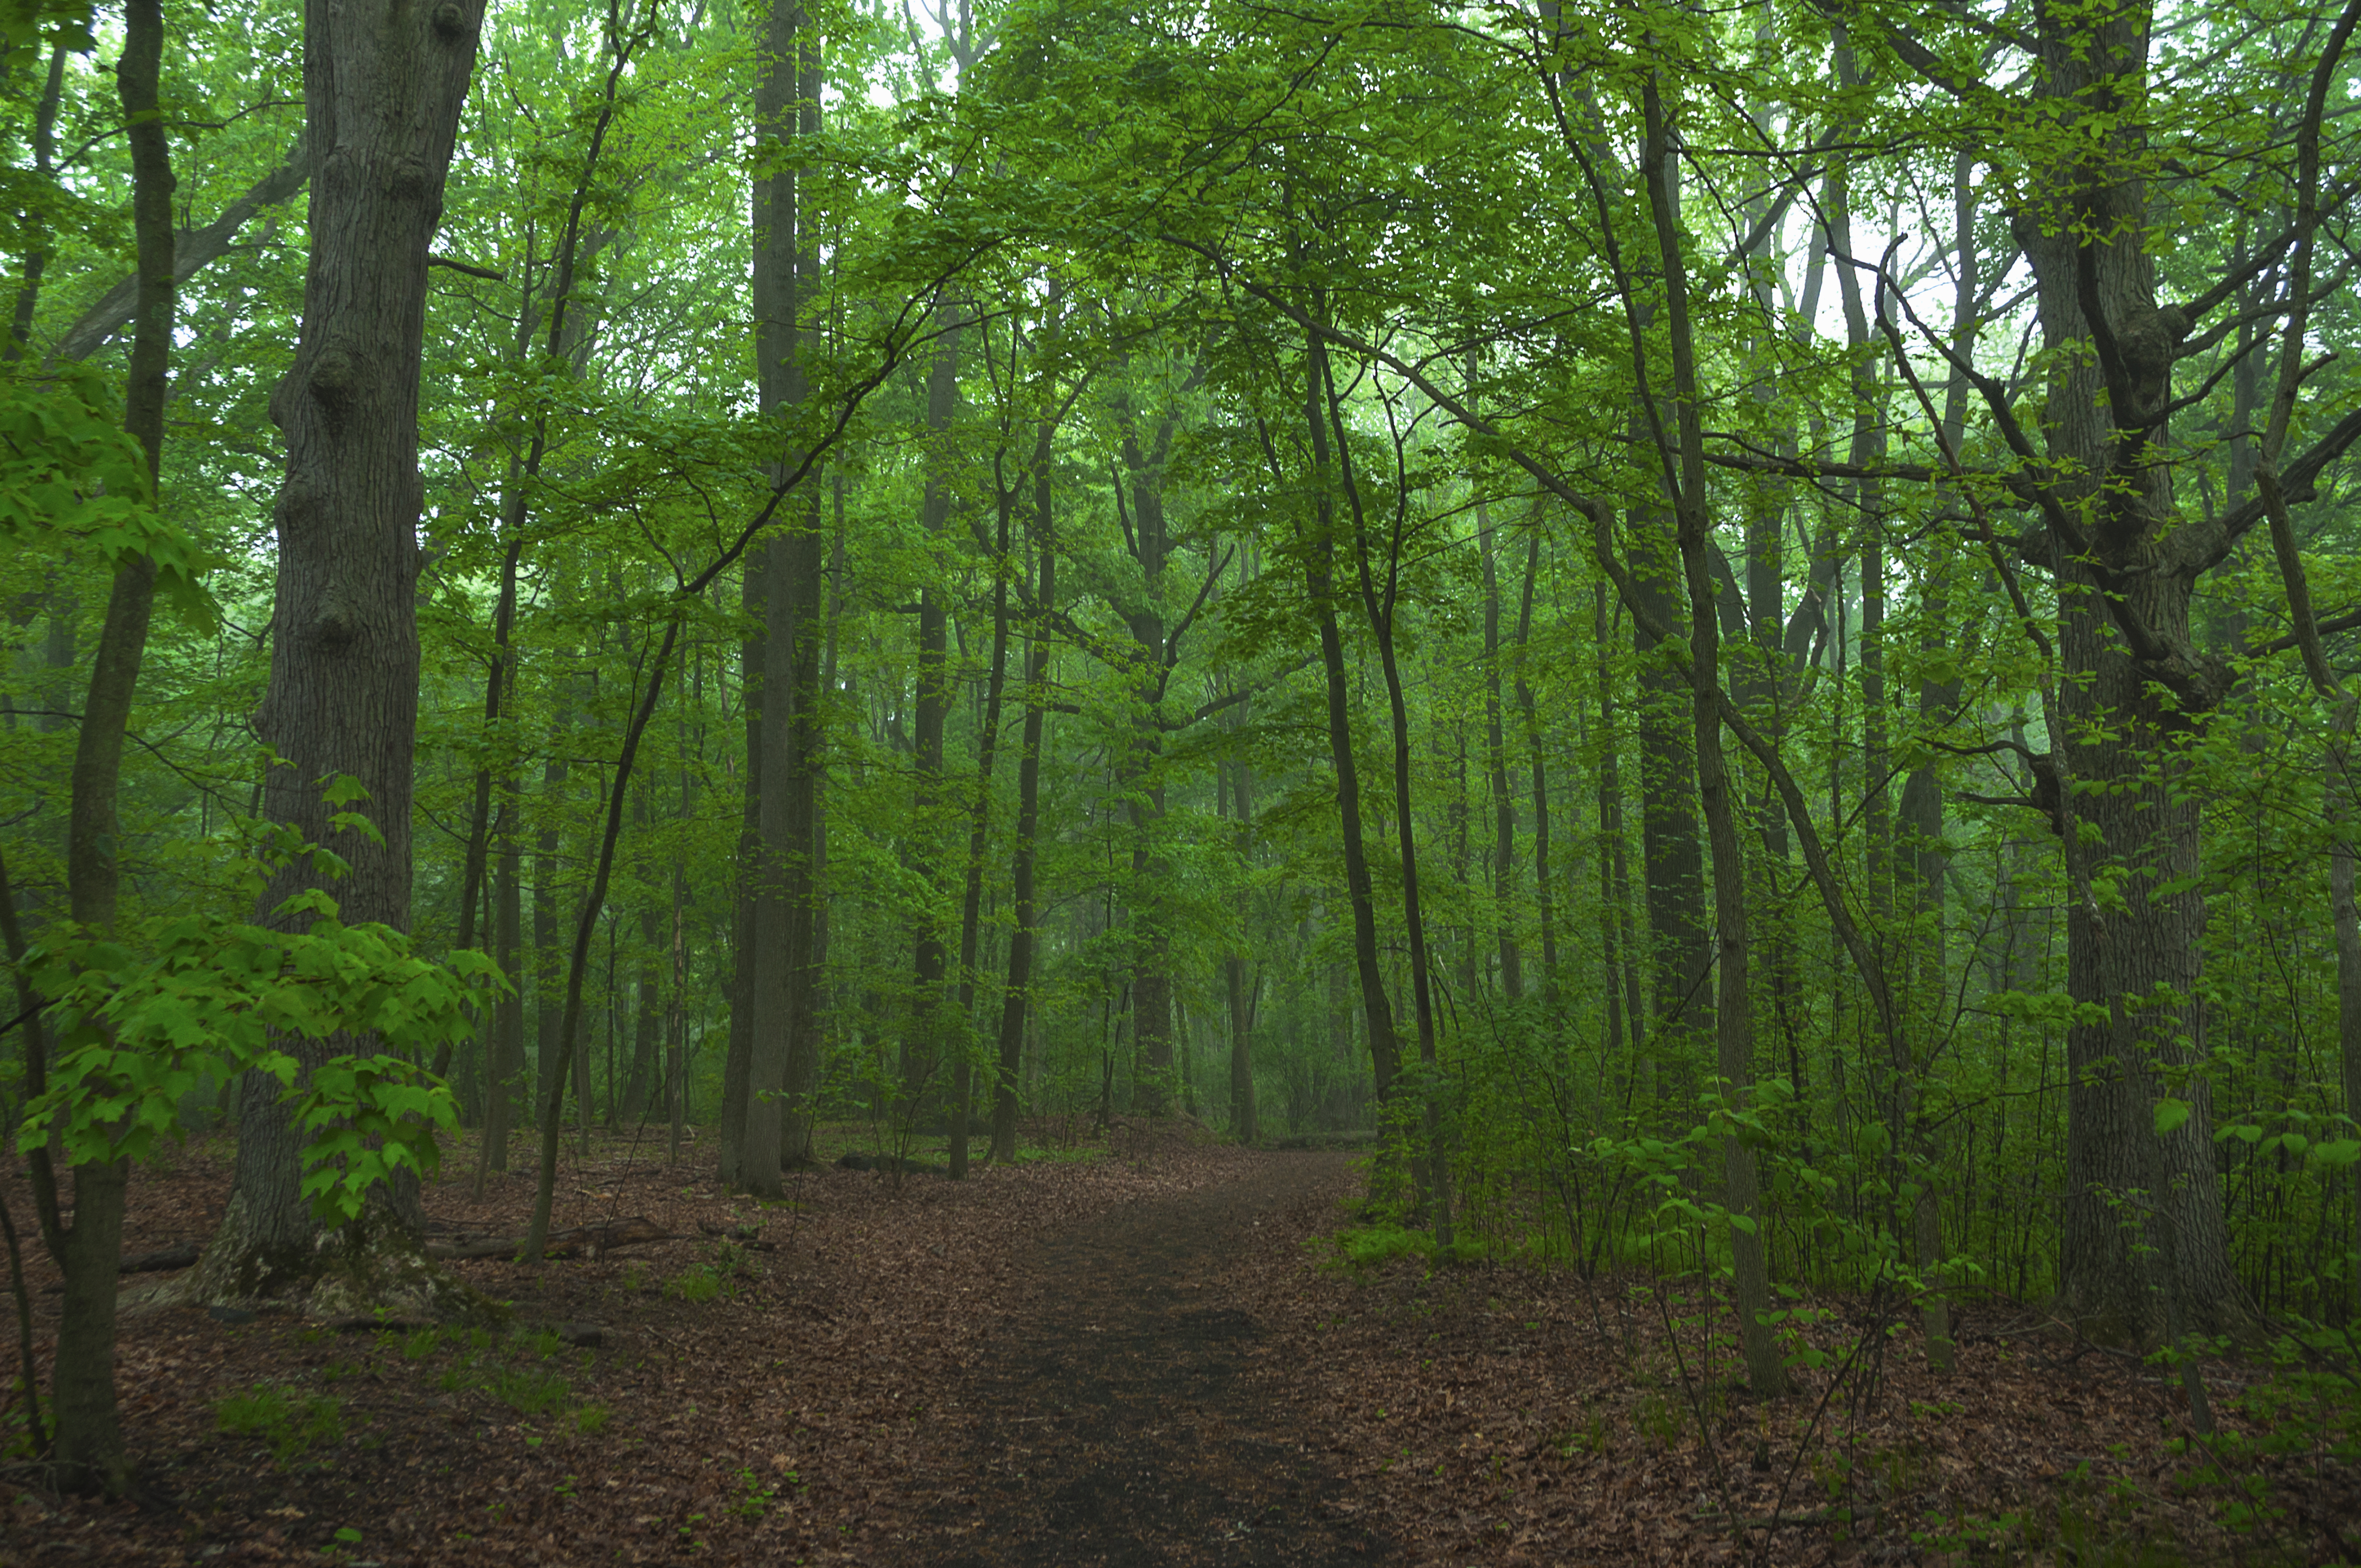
(1130, 1359)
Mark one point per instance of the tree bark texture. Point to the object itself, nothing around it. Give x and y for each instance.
(382, 93)
(2133, 687)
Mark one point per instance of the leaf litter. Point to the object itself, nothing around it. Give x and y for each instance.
(1147, 1357)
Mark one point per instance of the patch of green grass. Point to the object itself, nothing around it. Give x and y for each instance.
(1366, 1247)
(591, 1420)
(542, 1345)
(1030, 1154)
(290, 1426)
(698, 1282)
(530, 1391)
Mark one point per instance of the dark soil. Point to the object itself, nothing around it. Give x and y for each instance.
(1133, 1415)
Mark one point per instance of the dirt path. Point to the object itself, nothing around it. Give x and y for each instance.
(1129, 1413)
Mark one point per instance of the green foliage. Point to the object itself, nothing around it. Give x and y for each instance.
(68, 468)
(530, 1391)
(193, 1000)
(291, 1425)
(698, 1282)
(1368, 1246)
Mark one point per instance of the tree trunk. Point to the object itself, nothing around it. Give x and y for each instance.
(2133, 684)
(978, 835)
(922, 1043)
(1544, 888)
(1379, 604)
(1234, 969)
(1504, 804)
(1016, 996)
(1684, 466)
(382, 95)
(506, 1053)
(1320, 588)
(34, 228)
(737, 1066)
(1671, 854)
(88, 1452)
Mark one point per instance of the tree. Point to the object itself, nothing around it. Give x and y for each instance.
(382, 103)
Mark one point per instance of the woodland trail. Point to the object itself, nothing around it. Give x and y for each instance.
(1125, 1414)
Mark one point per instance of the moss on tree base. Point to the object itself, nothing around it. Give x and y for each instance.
(371, 1268)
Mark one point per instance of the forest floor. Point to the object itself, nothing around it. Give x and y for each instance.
(1147, 1354)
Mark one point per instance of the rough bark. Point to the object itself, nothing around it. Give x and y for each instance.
(780, 874)
(382, 95)
(1684, 466)
(2132, 686)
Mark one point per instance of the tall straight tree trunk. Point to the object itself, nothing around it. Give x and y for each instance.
(1672, 855)
(2133, 683)
(88, 1452)
(782, 874)
(1140, 775)
(1320, 588)
(987, 754)
(1924, 864)
(1544, 887)
(1504, 804)
(548, 897)
(1234, 966)
(382, 95)
(1615, 874)
(1016, 995)
(922, 1043)
(506, 1056)
(1734, 1003)
(738, 1065)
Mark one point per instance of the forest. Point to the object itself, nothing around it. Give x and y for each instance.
(1721, 639)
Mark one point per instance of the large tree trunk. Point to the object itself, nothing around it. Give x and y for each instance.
(382, 94)
(1734, 1003)
(781, 875)
(2132, 687)
(738, 1063)
(1671, 856)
